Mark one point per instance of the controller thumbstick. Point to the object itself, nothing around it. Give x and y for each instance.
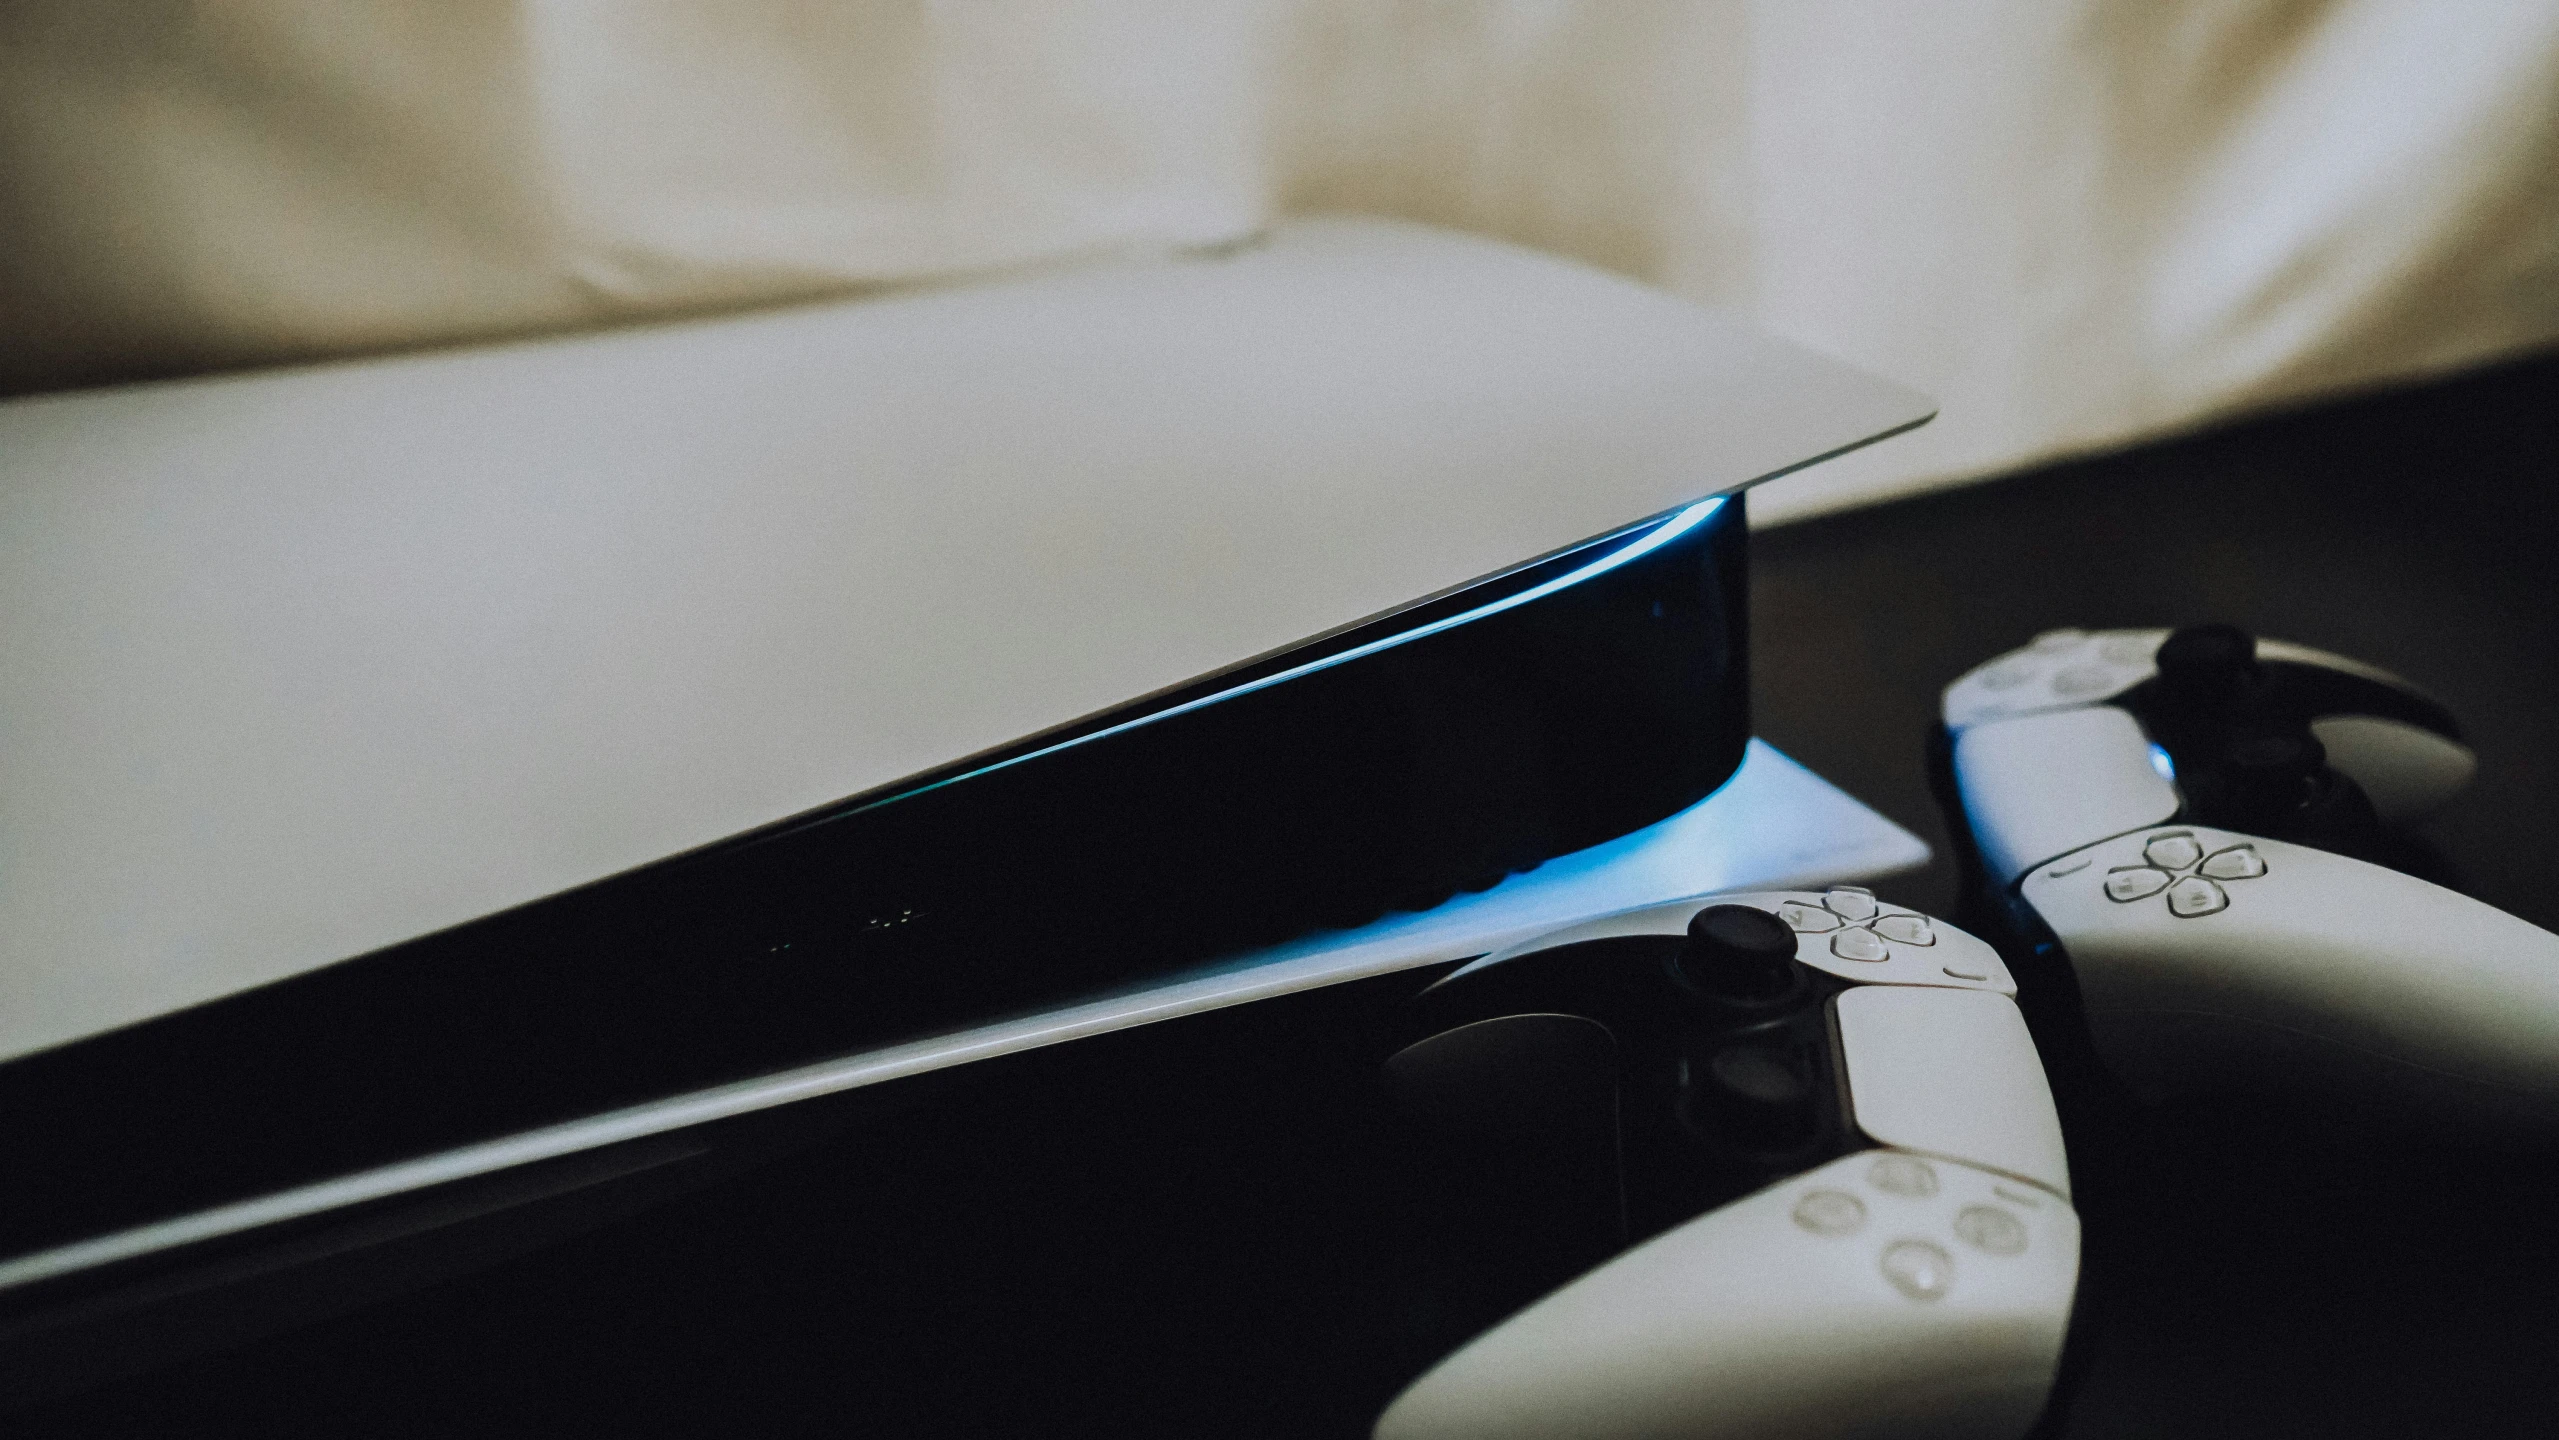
(2270, 775)
(1735, 952)
(1755, 1098)
(2207, 671)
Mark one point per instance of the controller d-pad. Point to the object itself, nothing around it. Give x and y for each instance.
(2172, 852)
(1908, 929)
(1859, 944)
(1849, 903)
(1807, 919)
(2078, 682)
(2177, 865)
(2238, 862)
(2195, 895)
(2135, 882)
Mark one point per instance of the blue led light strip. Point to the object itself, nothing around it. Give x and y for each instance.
(1652, 540)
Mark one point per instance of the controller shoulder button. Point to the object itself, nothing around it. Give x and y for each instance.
(2196, 895)
(2238, 862)
(2135, 882)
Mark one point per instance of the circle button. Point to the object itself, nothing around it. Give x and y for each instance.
(1902, 1175)
(1919, 1270)
(1830, 1212)
(1991, 1230)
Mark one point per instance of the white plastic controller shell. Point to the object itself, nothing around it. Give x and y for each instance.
(1918, 1289)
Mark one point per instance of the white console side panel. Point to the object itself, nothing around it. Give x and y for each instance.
(300, 664)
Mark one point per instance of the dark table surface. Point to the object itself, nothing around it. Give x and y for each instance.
(1181, 1230)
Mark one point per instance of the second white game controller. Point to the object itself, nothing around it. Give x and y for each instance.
(2193, 689)
(1839, 1139)
(2220, 931)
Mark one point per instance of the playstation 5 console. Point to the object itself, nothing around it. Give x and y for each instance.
(423, 766)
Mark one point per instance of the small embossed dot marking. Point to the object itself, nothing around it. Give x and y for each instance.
(1902, 1175)
(1991, 1230)
(2239, 862)
(1859, 945)
(1908, 929)
(1830, 1212)
(2172, 852)
(2194, 896)
(2081, 681)
(1850, 903)
(1806, 919)
(1919, 1270)
(2133, 882)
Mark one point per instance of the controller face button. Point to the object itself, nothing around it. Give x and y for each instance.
(2081, 681)
(1908, 929)
(2134, 882)
(2239, 862)
(2194, 896)
(1859, 945)
(1850, 903)
(1806, 920)
(1991, 1230)
(1830, 1212)
(2129, 650)
(2172, 852)
(2009, 674)
(1902, 1175)
(1919, 1270)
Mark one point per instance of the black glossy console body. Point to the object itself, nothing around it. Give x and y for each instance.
(1385, 766)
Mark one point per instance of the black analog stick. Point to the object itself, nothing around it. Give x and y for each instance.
(1757, 1098)
(1735, 952)
(2271, 774)
(2207, 670)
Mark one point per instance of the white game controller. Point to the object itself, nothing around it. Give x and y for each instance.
(2208, 952)
(2400, 745)
(1886, 1244)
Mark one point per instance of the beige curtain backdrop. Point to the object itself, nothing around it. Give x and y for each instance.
(2075, 222)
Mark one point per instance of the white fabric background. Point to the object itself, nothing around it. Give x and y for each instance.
(2073, 221)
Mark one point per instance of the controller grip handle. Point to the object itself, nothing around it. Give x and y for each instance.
(2323, 972)
(1842, 1302)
